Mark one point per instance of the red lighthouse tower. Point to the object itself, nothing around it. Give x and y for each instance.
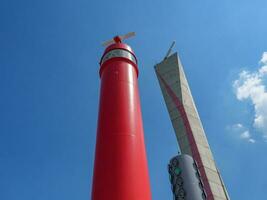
(120, 168)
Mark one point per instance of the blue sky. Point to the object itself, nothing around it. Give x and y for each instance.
(49, 89)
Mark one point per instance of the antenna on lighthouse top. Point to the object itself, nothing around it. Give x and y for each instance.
(118, 39)
(169, 51)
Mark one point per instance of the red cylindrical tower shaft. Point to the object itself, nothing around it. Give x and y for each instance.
(120, 168)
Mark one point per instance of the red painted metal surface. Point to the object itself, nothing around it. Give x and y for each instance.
(191, 139)
(120, 168)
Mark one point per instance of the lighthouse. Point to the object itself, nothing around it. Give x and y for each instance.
(120, 166)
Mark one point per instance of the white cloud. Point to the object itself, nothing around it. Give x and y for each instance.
(235, 127)
(238, 125)
(241, 131)
(263, 70)
(250, 86)
(264, 58)
(251, 140)
(245, 135)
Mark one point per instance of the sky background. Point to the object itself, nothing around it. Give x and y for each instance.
(49, 89)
